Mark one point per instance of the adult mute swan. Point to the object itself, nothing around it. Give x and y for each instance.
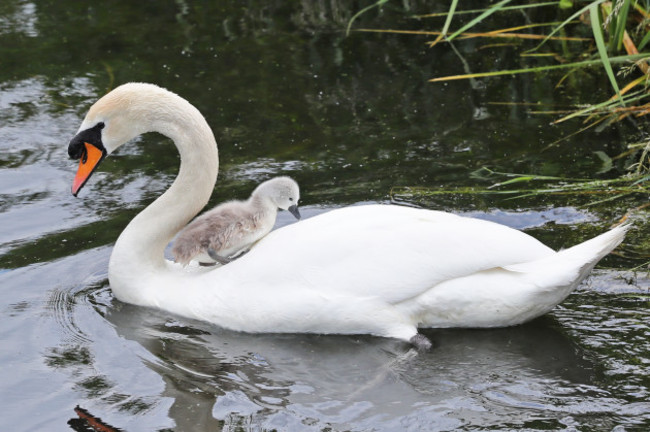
(231, 228)
(374, 269)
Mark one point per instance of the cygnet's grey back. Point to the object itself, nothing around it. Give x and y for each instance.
(231, 228)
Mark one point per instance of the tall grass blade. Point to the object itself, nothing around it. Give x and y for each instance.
(609, 21)
(479, 18)
(361, 12)
(632, 96)
(613, 189)
(498, 34)
(445, 27)
(634, 83)
(618, 59)
(621, 20)
(602, 49)
(644, 41)
(567, 21)
(641, 180)
(505, 8)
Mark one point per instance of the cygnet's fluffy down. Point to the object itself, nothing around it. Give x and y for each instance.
(231, 228)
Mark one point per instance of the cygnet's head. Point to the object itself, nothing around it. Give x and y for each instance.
(283, 193)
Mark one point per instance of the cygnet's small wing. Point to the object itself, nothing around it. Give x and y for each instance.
(185, 248)
(244, 229)
(189, 243)
(196, 237)
(226, 229)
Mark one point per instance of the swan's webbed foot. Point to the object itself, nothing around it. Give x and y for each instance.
(218, 258)
(421, 342)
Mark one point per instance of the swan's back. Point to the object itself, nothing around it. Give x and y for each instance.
(390, 252)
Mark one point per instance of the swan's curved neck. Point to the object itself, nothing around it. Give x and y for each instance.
(139, 249)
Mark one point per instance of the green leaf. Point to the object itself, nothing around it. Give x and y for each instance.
(445, 27)
(450, 15)
(634, 96)
(621, 21)
(641, 180)
(566, 21)
(618, 59)
(597, 29)
(607, 161)
(362, 11)
(566, 4)
(644, 41)
(503, 9)
(479, 18)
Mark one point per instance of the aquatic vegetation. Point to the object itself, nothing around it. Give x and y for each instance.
(619, 31)
(606, 190)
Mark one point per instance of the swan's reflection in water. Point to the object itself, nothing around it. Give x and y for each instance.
(518, 377)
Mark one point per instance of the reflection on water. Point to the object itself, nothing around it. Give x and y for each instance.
(141, 369)
(349, 118)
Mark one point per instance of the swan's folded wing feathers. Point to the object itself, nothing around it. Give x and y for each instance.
(405, 251)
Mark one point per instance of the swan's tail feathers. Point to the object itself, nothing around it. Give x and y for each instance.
(569, 266)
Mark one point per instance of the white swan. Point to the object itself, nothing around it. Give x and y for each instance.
(231, 228)
(375, 269)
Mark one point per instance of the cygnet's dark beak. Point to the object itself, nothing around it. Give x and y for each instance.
(294, 211)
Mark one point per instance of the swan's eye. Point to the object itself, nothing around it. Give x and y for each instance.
(290, 199)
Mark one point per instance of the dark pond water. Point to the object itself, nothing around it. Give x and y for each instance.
(351, 118)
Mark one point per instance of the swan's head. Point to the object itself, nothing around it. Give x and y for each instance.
(113, 120)
(283, 192)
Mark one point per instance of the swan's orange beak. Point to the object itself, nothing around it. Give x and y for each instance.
(90, 159)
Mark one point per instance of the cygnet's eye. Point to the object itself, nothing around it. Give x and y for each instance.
(290, 199)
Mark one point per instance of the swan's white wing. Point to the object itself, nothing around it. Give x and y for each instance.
(386, 252)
